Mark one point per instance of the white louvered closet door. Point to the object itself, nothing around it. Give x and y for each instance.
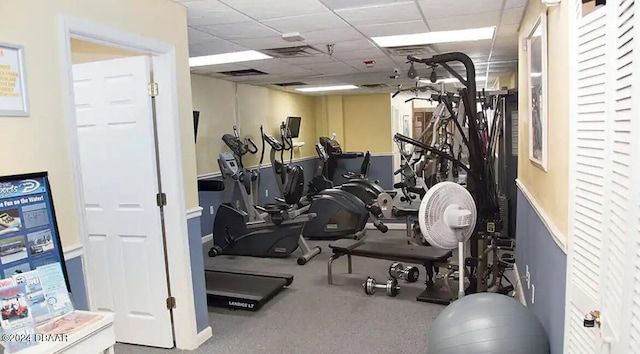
(587, 183)
(603, 260)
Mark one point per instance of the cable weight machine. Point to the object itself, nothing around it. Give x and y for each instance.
(481, 180)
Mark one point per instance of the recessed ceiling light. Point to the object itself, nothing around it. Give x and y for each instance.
(451, 80)
(226, 58)
(327, 88)
(465, 35)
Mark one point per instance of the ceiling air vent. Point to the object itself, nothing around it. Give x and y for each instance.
(375, 86)
(246, 72)
(292, 52)
(287, 84)
(410, 50)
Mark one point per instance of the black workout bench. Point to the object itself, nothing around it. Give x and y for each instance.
(430, 257)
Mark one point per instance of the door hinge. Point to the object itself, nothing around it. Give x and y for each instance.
(152, 88)
(171, 303)
(161, 199)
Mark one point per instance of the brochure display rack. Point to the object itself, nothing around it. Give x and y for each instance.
(38, 315)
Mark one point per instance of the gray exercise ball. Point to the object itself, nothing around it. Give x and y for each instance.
(487, 323)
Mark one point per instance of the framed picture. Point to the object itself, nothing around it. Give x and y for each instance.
(536, 44)
(13, 91)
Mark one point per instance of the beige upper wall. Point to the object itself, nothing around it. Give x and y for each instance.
(223, 104)
(87, 52)
(360, 122)
(367, 123)
(41, 140)
(550, 189)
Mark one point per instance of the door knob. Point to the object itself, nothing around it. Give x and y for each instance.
(592, 319)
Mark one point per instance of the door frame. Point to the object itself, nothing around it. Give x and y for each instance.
(170, 155)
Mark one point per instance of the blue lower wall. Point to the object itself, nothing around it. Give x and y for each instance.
(547, 267)
(197, 274)
(381, 170)
(75, 272)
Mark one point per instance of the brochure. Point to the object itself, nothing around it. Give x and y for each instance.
(69, 323)
(18, 325)
(35, 295)
(55, 289)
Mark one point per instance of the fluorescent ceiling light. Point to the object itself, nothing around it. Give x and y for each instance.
(327, 88)
(450, 80)
(465, 35)
(536, 74)
(226, 58)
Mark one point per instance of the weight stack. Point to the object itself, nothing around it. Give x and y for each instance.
(503, 202)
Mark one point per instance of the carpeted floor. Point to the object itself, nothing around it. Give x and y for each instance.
(313, 317)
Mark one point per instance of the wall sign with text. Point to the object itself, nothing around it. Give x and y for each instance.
(13, 91)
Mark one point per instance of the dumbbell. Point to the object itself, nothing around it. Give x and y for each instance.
(410, 274)
(391, 287)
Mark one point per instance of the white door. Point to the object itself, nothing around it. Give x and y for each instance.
(124, 248)
(603, 255)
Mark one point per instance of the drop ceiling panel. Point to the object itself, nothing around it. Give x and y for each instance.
(381, 14)
(512, 16)
(391, 29)
(263, 10)
(466, 47)
(306, 23)
(434, 9)
(508, 30)
(343, 4)
(355, 45)
(381, 64)
(316, 59)
(336, 68)
(359, 54)
(515, 3)
(331, 35)
(214, 47)
(266, 43)
(484, 19)
(197, 37)
(212, 12)
(245, 30)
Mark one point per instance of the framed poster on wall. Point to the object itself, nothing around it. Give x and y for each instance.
(537, 92)
(29, 237)
(13, 91)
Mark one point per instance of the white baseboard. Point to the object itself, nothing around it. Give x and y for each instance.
(72, 251)
(194, 212)
(203, 336)
(391, 226)
(207, 238)
(558, 236)
(519, 289)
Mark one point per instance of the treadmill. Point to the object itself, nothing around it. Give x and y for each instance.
(240, 289)
(243, 290)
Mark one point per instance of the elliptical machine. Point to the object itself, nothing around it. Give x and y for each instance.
(272, 230)
(339, 214)
(378, 200)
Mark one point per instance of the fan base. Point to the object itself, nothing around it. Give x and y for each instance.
(438, 293)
